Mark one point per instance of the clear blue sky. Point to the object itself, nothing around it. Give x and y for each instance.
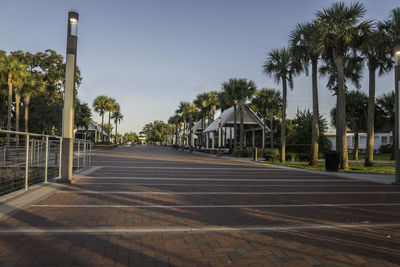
(150, 55)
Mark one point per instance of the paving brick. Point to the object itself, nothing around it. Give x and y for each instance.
(339, 247)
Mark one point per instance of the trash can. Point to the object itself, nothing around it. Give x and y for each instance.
(332, 161)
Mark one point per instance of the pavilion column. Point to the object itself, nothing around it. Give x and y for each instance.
(213, 141)
(263, 139)
(224, 140)
(207, 139)
(254, 138)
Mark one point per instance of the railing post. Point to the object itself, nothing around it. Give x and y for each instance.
(90, 154)
(79, 150)
(31, 154)
(60, 156)
(27, 163)
(46, 159)
(84, 154)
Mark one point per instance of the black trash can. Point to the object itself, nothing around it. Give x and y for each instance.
(332, 161)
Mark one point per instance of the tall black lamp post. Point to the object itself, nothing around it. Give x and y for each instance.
(219, 137)
(68, 113)
(397, 103)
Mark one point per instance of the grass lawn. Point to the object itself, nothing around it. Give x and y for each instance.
(376, 156)
(354, 167)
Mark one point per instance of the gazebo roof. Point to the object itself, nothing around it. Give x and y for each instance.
(227, 118)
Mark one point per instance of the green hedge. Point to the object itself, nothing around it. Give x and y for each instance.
(271, 154)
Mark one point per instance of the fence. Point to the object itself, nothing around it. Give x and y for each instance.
(28, 158)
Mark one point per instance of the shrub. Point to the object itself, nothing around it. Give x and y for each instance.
(291, 157)
(303, 157)
(386, 149)
(271, 154)
(298, 148)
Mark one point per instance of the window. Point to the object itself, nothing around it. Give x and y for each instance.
(384, 140)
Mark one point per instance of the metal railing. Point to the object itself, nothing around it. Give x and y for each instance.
(29, 158)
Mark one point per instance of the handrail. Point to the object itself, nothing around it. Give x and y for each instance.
(36, 150)
(30, 134)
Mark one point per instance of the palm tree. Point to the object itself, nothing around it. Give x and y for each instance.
(356, 115)
(100, 106)
(386, 113)
(228, 88)
(392, 26)
(173, 120)
(12, 72)
(339, 29)
(206, 103)
(302, 44)
(280, 65)
(31, 88)
(239, 90)
(112, 106)
(176, 121)
(188, 111)
(268, 103)
(117, 117)
(376, 49)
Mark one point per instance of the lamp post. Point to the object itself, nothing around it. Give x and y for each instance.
(183, 133)
(397, 103)
(191, 133)
(219, 137)
(68, 112)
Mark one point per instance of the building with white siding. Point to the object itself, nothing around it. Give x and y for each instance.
(379, 140)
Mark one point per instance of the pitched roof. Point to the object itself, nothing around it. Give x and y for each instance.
(227, 117)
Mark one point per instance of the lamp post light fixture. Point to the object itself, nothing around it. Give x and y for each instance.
(397, 103)
(219, 137)
(69, 88)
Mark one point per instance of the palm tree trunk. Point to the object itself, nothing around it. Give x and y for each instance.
(176, 136)
(393, 156)
(234, 126)
(27, 100)
(190, 133)
(369, 157)
(109, 124)
(230, 138)
(10, 91)
(355, 156)
(102, 127)
(341, 109)
(17, 104)
(116, 131)
(271, 128)
(265, 127)
(241, 140)
(337, 125)
(283, 126)
(315, 120)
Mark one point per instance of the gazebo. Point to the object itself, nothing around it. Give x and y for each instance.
(254, 134)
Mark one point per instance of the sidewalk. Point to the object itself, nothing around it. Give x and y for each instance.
(377, 178)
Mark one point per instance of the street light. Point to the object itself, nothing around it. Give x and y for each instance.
(191, 133)
(68, 113)
(219, 137)
(397, 102)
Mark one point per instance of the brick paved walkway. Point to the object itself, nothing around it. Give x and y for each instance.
(153, 206)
